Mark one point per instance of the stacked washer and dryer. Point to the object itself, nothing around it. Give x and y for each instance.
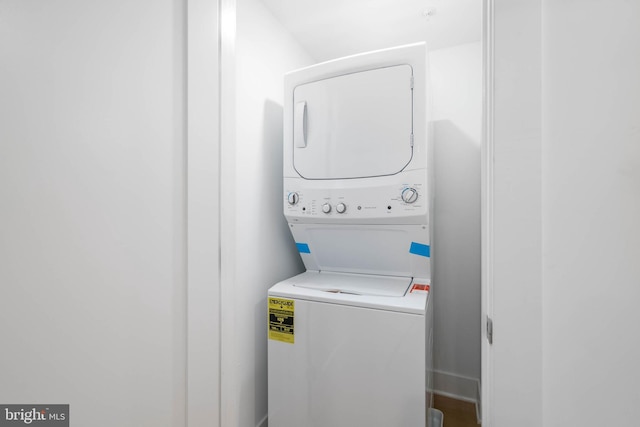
(350, 339)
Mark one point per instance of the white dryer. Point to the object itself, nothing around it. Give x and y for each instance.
(350, 339)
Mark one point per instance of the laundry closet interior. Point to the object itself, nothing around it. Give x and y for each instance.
(263, 40)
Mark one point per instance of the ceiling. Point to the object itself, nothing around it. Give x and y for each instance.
(329, 29)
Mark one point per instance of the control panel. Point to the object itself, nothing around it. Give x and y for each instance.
(346, 204)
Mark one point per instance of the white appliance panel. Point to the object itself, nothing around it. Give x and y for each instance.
(388, 250)
(413, 56)
(354, 125)
(349, 366)
(367, 200)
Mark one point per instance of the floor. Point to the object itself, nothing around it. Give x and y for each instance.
(456, 412)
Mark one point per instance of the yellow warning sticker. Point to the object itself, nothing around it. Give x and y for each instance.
(281, 319)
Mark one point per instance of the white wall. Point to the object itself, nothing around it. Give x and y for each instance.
(264, 250)
(591, 212)
(456, 84)
(92, 205)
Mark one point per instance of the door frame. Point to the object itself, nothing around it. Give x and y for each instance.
(486, 207)
(202, 115)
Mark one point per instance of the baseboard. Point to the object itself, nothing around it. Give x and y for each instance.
(456, 386)
(264, 422)
(479, 403)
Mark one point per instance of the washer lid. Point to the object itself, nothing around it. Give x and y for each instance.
(354, 125)
(355, 290)
(355, 284)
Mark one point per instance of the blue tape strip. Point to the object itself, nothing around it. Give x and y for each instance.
(303, 248)
(420, 249)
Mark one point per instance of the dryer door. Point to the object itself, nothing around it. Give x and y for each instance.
(355, 125)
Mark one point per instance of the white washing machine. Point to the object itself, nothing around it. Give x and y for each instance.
(350, 339)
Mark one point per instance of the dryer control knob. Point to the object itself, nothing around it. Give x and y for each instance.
(409, 195)
(293, 198)
(326, 208)
(341, 208)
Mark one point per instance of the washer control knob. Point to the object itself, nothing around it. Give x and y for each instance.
(293, 198)
(409, 195)
(326, 208)
(341, 208)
